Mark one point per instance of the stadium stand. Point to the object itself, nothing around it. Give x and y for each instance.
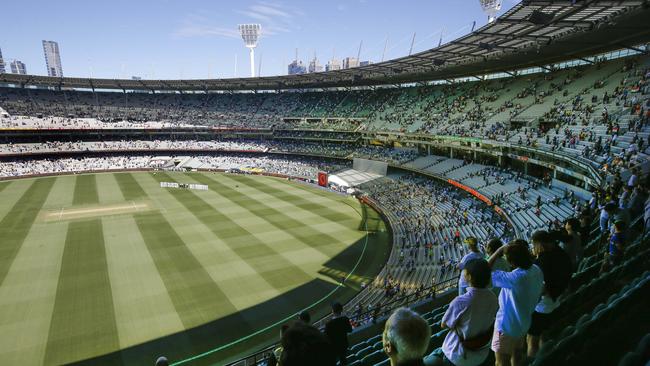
(488, 158)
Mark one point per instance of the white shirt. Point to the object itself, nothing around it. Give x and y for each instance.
(470, 315)
(462, 284)
(520, 291)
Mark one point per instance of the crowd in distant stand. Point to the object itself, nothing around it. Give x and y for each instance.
(295, 167)
(298, 167)
(72, 165)
(390, 155)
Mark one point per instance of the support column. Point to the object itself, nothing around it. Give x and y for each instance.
(252, 54)
(451, 152)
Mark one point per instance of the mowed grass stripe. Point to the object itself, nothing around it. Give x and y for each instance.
(85, 190)
(28, 291)
(83, 320)
(196, 297)
(130, 188)
(143, 309)
(15, 226)
(255, 253)
(347, 222)
(306, 234)
(299, 201)
(193, 292)
(4, 185)
(11, 192)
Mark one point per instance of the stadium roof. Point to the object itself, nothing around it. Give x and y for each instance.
(532, 33)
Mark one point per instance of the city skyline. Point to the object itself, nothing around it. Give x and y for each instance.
(205, 43)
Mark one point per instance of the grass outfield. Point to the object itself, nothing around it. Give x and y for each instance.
(112, 269)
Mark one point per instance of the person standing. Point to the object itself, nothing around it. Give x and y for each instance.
(572, 243)
(470, 318)
(337, 330)
(521, 290)
(557, 267)
(616, 248)
(474, 253)
(500, 264)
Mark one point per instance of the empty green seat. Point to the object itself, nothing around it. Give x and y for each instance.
(373, 358)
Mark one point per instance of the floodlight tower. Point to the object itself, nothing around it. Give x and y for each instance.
(491, 8)
(251, 33)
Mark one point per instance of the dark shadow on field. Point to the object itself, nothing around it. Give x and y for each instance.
(337, 268)
(225, 330)
(371, 221)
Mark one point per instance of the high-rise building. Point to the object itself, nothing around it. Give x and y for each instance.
(296, 67)
(2, 64)
(52, 58)
(18, 67)
(314, 66)
(332, 65)
(349, 62)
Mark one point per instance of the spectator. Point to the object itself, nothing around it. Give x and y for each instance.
(634, 178)
(337, 330)
(604, 217)
(406, 338)
(557, 268)
(571, 242)
(303, 344)
(616, 247)
(500, 264)
(614, 214)
(520, 291)
(470, 318)
(474, 253)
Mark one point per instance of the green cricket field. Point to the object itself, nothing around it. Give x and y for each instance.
(110, 268)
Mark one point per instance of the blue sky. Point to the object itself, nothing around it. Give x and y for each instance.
(170, 39)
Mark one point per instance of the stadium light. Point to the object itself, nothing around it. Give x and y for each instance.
(250, 33)
(491, 7)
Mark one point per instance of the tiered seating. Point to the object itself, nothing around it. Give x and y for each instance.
(429, 216)
(444, 166)
(593, 311)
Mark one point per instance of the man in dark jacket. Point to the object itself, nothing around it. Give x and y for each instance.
(557, 268)
(337, 331)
